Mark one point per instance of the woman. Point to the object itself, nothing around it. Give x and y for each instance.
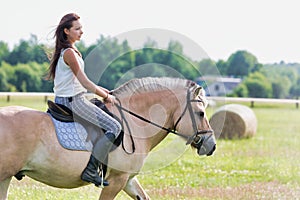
(71, 84)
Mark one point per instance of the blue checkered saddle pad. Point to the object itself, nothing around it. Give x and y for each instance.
(72, 135)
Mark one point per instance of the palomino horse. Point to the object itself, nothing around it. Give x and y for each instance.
(153, 108)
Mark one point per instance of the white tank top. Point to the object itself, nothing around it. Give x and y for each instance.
(66, 83)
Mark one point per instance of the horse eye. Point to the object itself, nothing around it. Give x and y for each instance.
(200, 113)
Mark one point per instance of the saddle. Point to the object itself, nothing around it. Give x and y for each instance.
(60, 112)
(64, 114)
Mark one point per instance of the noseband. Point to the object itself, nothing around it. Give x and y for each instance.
(196, 138)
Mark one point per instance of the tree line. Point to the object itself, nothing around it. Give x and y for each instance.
(110, 63)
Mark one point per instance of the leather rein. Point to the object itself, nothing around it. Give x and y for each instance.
(196, 137)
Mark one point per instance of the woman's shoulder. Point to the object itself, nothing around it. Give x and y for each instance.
(70, 52)
(70, 56)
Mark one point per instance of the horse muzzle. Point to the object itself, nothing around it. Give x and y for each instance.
(207, 145)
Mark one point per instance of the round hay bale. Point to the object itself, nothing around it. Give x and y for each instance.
(234, 121)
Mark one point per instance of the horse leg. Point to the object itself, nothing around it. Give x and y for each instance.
(4, 188)
(134, 189)
(117, 181)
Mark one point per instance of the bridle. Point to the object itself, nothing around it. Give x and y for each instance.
(196, 138)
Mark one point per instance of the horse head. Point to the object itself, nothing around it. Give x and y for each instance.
(193, 123)
(185, 98)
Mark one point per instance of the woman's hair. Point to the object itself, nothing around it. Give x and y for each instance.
(61, 41)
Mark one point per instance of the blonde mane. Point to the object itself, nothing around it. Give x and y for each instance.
(152, 84)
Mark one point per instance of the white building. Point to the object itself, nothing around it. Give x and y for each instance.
(218, 86)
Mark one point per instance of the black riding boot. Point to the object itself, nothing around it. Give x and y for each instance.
(99, 154)
(91, 174)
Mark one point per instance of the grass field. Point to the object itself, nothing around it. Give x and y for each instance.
(266, 166)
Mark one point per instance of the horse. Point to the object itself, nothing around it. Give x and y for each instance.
(152, 107)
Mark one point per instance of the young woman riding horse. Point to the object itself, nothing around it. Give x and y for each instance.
(151, 108)
(71, 84)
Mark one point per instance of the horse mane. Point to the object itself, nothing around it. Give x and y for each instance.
(152, 84)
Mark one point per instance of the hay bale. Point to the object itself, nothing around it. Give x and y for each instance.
(234, 121)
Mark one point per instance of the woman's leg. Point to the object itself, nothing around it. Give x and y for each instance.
(88, 111)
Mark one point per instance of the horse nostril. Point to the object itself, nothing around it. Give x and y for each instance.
(212, 151)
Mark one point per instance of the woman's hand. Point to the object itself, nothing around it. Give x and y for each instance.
(110, 99)
(105, 90)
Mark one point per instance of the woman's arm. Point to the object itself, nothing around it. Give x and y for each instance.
(71, 61)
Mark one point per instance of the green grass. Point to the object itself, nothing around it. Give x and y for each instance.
(266, 166)
(38, 103)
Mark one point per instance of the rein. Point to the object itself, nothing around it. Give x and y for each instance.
(150, 122)
(188, 107)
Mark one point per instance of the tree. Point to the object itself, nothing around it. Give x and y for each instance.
(3, 81)
(222, 67)
(20, 54)
(208, 67)
(27, 51)
(240, 91)
(39, 54)
(101, 63)
(258, 86)
(7, 77)
(281, 87)
(27, 77)
(82, 48)
(242, 63)
(295, 89)
(175, 47)
(4, 51)
(281, 77)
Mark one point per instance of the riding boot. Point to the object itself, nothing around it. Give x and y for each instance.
(99, 154)
(91, 174)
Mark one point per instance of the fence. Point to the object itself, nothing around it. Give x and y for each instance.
(46, 95)
(10, 95)
(251, 101)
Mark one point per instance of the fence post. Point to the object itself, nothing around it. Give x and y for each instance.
(252, 104)
(8, 98)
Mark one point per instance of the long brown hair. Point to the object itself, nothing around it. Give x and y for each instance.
(61, 41)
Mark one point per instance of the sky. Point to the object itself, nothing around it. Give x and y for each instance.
(268, 29)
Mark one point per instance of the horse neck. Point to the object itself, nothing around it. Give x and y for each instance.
(158, 107)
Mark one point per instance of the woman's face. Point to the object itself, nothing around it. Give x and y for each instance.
(75, 32)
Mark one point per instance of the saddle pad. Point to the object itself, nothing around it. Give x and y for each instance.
(72, 135)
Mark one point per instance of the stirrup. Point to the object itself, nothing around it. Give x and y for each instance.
(103, 181)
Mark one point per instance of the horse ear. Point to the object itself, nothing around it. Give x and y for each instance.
(199, 92)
